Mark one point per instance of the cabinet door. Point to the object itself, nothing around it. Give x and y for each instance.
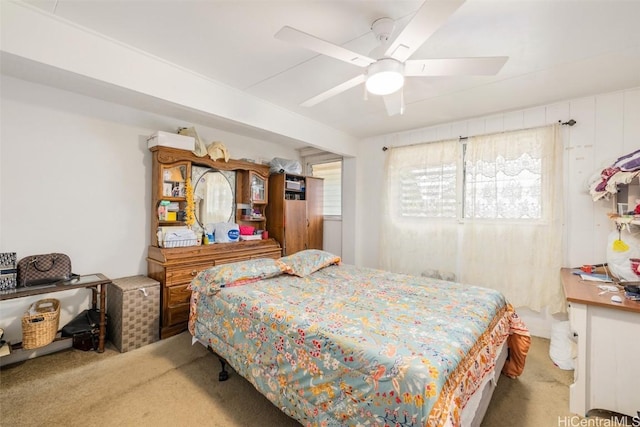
(173, 181)
(295, 227)
(315, 203)
(258, 188)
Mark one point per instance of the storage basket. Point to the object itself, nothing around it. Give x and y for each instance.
(40, 323)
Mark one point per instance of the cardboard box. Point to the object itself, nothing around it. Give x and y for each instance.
(167, 139)
(8, 272)
(133, 307)
(8, 260)
(8, 279)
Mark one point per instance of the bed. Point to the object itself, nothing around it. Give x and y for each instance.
(332, 344)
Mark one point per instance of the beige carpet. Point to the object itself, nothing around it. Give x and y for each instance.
(172, 383)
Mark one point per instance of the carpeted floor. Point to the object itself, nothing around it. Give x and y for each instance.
(172, 383)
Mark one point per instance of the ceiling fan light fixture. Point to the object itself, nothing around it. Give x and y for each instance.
(385, 76)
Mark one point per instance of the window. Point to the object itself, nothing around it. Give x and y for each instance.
(503, 177)
(429, 192)
(426, 179)
(500, 178)
(487, 208)
(332, 174)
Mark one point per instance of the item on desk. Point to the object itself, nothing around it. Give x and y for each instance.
(607, 288)
(633, 296)
(594, 277)
(587, 269)
(633, 287)
(632, 290)
(616, 298)
(43, 269)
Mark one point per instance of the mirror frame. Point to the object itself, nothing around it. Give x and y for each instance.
(198, 172)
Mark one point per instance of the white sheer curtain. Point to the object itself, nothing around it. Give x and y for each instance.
(506, 231)
(419, 229)
(521, 253)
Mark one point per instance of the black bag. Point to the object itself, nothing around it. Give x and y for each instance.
(43, 269)
(85, 330)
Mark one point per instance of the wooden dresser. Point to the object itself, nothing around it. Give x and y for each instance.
(608, 338)
(175, 267)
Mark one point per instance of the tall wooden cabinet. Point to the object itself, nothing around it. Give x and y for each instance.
(175, 267)
(294, 213)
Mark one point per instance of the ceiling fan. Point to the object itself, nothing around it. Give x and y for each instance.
(387, 66)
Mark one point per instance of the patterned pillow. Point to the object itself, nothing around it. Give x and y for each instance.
(211, 280)
(306, 262)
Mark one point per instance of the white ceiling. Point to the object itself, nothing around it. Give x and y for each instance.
(558, 50)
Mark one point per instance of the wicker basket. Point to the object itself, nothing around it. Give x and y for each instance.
(40, 323)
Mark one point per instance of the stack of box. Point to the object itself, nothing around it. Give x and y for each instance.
(8, 272)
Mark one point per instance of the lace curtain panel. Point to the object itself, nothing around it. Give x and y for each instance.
(488, 209)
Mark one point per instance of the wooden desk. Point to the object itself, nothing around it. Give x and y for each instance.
(606, 374)
(98, 284)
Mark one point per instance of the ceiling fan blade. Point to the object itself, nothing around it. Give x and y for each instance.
(484, 66)
(394, 103)
(315, 44)
(431, 16)
(334, 91)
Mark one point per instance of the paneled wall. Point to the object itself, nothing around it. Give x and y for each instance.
(608, 126)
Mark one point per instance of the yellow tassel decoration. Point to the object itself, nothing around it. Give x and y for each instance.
(190, 213)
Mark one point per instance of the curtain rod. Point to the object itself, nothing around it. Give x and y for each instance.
(570, 122)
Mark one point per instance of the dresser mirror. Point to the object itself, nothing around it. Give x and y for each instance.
(213, 195)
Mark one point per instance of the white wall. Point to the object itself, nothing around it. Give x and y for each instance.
(31, 36)
(608, 125)
(75, 178)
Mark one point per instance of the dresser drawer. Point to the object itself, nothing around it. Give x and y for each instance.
(177, 295)
(176, 314)
(184, 275)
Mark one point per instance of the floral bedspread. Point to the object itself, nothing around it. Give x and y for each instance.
(350, 346)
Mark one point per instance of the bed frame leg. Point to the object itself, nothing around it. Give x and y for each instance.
(223, 375)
